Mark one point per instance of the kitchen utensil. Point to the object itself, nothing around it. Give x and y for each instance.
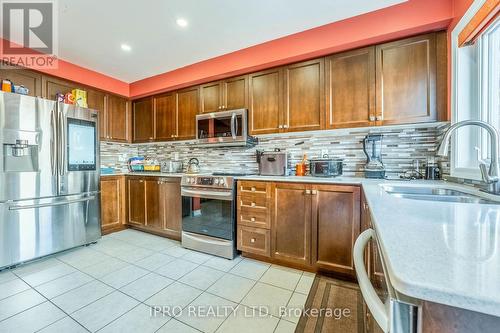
(326, 167)
(193, 165)
(171, 166)
(372, 146)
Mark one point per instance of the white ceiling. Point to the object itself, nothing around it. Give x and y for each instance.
(91, 31)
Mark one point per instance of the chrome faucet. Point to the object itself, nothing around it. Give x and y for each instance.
(491, 176)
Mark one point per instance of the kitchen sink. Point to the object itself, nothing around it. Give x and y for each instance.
(436, 194)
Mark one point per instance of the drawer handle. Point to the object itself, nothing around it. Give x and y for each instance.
(252, 204)
(252, 219)
(252, 240)
(253, 189)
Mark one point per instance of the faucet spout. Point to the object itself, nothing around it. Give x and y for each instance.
(490, 176)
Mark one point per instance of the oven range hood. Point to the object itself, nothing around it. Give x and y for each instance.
(224, 129)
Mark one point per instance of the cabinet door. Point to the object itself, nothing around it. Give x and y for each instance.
(24, 77)
(136, 201)
(235, 93)
(143, 120)
(51, 86)
(187, 109)
(112, 202)
(291, 223)
(406, 80)
(153, 212)
(335, 226)
(171, 206)
(211, 97)
(266, 101)
(96, 100)
(118, 118)
(304, 96)
(166, 117)
(350, 89)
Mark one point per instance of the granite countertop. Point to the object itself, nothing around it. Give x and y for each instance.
(442, 252)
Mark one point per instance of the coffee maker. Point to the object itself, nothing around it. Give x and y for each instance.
(372, 146)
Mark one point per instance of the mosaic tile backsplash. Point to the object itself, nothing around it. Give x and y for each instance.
(401, 146)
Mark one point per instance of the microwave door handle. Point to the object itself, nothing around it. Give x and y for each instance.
(377, 308)
(233, 126)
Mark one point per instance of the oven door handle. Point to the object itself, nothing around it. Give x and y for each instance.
(207, 194)
(378, 309)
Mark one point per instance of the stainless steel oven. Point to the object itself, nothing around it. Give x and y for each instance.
(208, 214)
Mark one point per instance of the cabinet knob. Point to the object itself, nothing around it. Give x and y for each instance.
(285, 126)
(307, 192)
(314, 192)
(223, 106)
(252, 219)
(141, 181)
(372, 118)
(253, 189)
(252, 204)
(380, 117)
(252, 240)
(280, 126)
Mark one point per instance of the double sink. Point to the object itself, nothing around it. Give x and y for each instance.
(432, 193)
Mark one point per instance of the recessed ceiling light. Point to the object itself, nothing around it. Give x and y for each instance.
(126, 47)
(182, 22)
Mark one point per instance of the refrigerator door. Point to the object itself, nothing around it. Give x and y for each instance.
(34, 228)
(78, 150)
(28, 144)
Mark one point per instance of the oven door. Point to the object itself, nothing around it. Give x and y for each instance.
(208, 212)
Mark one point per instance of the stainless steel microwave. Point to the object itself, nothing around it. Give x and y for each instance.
(226, 128)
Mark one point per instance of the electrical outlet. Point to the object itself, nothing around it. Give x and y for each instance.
(324, 152)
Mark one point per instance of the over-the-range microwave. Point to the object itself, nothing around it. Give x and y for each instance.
(225, 128)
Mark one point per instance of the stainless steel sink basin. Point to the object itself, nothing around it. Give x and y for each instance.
(436, 194)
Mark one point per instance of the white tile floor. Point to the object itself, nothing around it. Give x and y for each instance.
(112, 286)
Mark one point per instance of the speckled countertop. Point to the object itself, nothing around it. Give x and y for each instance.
(442, 252)
(150, 174)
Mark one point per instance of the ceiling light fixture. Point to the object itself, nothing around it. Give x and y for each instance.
(126, 47)
(182, 22)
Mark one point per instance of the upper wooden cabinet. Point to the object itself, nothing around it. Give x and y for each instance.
(187, 109)
(335, 227)
(51, 86)
(406, 80)
(21, 77)
(118, 118)
(165, 108)
(223, 95)
(266, 101)
(143, 120)
(304, 96)
(350, 89)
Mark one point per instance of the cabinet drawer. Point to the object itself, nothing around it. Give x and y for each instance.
(262, 188)
(254, 240)
(253, 201)
(258, 218)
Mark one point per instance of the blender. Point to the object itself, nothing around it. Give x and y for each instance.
(372, 146)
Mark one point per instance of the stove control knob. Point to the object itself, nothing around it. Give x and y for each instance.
(216, 181)
(221, 182)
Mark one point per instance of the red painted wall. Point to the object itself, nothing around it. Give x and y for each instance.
(411, 17)
(69, 71)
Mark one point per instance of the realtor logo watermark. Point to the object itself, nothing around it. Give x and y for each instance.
(29, 34)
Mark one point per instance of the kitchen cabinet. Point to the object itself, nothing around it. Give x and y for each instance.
(118, 118)
(143, 120)
(350, 89)
(304, 96)
(187, 109)
(224, 95)
(335, 227)
(51, 86)
(165, 108)
(372, 257)
(113, 203)
(22, 77)
(406, 80)
(155, 204)
(291, 223)
(265, 101)
(136, 192)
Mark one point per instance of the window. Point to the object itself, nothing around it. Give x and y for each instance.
(475, 95)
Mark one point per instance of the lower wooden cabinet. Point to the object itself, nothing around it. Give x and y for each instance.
(311, 226)
(112, 203)
(155, 204)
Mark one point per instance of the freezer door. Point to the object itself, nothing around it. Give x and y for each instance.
(31, 229)
(78, 157)
(28, 144)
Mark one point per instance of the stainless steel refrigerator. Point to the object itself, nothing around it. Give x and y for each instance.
(49, 177)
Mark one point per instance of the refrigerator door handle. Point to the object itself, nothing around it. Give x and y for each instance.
(62, 144)
(51, 204)
(53, 143)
